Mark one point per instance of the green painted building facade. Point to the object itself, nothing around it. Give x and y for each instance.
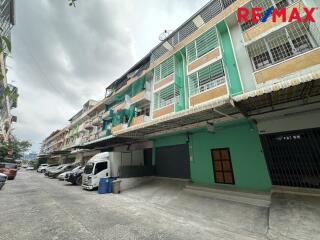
(240, 137)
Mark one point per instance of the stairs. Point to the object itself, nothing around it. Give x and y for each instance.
(256, 198)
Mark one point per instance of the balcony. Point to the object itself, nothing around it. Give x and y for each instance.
(139, 120)
(97, 121)
(88, 125)
(164, 82)
(92, 137)
(207, 84)
(211, 56)
(292, 66)
(252, 31)
(102, 134)
(106, 115)
(118, 128)
(120, 107)
(141, 98)
(289, 50)
(163, 111)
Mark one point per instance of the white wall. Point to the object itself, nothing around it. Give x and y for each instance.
(298, 121)
(242, 58)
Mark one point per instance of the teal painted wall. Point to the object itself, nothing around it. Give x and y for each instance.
(179, 81)
(170, 140)
(234, 82)
(249, 165)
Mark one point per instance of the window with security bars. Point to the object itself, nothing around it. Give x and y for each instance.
(285, 43)
(166, 96)
(164, 69)
(207, 78)
(202, 45)
(211, 11)
(227, 3)
(222, 166)
(265, 4)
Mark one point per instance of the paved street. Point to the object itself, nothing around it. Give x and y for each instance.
(34, 207)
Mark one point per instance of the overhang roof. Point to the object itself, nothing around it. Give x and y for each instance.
(209, 111)
(286, 94)
(108, 143)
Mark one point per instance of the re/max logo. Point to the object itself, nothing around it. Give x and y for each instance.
(257, 14)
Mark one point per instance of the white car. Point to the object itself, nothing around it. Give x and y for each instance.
(42, 168)
(30, 168)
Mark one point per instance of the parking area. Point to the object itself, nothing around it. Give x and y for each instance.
(35, 207)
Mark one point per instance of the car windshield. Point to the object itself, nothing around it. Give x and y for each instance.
(88, 168)
(9, 165)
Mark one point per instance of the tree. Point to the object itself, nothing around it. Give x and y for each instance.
(13, 150)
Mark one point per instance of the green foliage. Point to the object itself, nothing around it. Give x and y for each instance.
(12, 94)
(13, 150)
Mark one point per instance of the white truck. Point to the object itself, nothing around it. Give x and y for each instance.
(107, 164)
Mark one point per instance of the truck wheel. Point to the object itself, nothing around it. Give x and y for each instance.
(79, 181)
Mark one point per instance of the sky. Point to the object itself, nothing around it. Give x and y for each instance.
(62, 56)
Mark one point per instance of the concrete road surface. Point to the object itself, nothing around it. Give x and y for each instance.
(34, 207)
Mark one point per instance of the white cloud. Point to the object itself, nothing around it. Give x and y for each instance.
(63, 56)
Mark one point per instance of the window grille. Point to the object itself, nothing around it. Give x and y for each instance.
(265, 4)
(187, 30)
(167, 67)
(207, 78)
(164, 69)
(280, 46)
(166, 96)
(158, 52)
(285, 43)
(211, 11)
(227, 3)
(202, 45)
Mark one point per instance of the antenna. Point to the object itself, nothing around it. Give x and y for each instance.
(164, 35)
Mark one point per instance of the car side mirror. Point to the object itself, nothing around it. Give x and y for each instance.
(107, 174)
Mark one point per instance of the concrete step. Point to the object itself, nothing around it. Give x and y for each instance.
(296, 191)
(256, 198)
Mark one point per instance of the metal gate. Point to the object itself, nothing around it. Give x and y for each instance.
(173, 161)
(293, 158)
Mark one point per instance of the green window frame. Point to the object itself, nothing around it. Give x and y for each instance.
(207, 78)
(164, 69)
(166, 96)
(202, 45)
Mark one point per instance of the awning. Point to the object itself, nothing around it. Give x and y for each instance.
(287, 94)
(108, 143)
(213, 110)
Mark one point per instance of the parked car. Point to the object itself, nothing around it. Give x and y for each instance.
(75, 176)
(24, 165)
(51, 168)
(30, 167)
(64, 168)
(42, 167)
(63, 175)
(3, 179)
(9, 169)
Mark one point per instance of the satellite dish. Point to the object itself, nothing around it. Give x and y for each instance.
(164, 35)
(108, 92)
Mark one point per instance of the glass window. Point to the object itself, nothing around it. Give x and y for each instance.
(100, 167)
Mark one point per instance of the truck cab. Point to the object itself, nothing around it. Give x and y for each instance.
(96, 168)
(108, 164)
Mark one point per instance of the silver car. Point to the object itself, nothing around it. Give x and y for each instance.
(3, 179)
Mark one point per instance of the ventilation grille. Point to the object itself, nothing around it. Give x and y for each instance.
(187, 29)
(211, 11)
